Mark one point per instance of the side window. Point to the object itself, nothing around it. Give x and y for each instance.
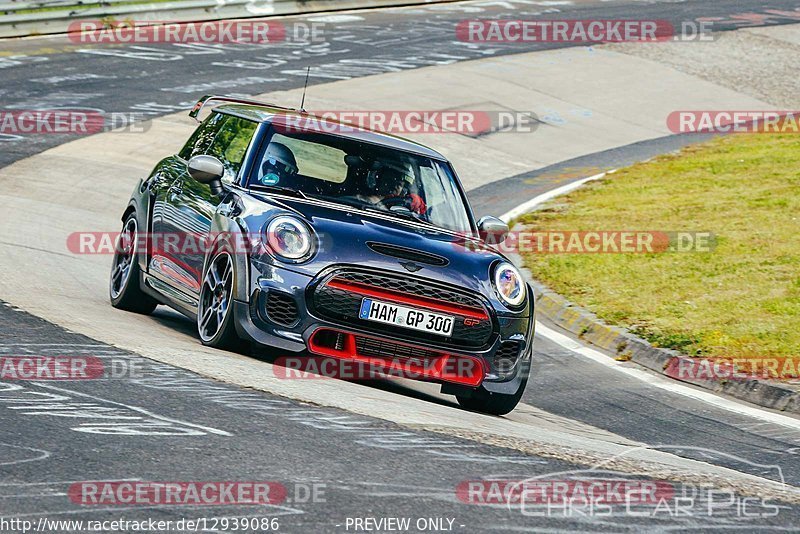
(202, 137)
(230, 144)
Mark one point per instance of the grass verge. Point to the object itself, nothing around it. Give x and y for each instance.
(740, 300)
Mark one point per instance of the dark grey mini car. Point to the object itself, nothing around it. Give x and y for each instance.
(328, 241)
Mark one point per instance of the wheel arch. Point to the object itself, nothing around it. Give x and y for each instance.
(143, 256)
(130, 209)
(226, 234)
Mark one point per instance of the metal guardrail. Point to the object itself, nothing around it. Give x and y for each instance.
(48, 20)
(7, 7)
(10, 11)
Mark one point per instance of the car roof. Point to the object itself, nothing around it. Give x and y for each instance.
(266, 113)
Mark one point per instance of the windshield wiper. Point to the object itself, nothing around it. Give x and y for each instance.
(401, 214)
(278, 189)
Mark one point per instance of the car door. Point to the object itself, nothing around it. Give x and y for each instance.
(165, 263)
(189, 206)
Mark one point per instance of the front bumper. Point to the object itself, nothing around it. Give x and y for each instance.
(499, 364)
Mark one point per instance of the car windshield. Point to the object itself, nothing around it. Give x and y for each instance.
(363, 175)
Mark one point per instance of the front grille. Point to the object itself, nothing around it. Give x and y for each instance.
(413, 287)
(376, 348)
(281, 308)
(343, 306)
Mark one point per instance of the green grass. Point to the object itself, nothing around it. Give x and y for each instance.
(740, 300)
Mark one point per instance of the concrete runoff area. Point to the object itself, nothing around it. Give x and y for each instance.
(83, 186)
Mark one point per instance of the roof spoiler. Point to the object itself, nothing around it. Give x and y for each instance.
(208, 98)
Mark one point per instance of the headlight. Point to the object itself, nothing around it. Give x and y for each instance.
(289, 238)
(509, 284)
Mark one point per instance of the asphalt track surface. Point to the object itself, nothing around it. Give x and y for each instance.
(156, 79)
(166, 424)
(198, 429)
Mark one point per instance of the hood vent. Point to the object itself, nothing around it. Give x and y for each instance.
(408, 254)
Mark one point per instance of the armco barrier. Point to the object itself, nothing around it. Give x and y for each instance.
(18, 19)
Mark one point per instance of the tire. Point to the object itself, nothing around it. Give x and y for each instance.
(493, 403)
(215, 316)
(124, 290)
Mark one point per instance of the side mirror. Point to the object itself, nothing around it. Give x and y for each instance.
(207, 170)
(492, 230)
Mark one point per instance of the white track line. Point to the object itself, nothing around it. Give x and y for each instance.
(652, 379)
(544, 197)
(148, 413)
(667, 384)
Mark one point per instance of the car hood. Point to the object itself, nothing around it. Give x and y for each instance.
(346, 235)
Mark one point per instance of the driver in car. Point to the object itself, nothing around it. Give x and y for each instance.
(279, 164)
(389, 186)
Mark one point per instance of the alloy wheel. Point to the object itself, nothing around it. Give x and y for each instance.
(124, 256)
(215, 297)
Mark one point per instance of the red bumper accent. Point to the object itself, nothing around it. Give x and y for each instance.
(440, 366)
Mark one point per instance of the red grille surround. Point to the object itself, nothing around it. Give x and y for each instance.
(413, 300)
(429, 365)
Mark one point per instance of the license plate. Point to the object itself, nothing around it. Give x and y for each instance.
(383, 312)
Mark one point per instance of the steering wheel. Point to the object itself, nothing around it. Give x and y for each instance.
(397, 202)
